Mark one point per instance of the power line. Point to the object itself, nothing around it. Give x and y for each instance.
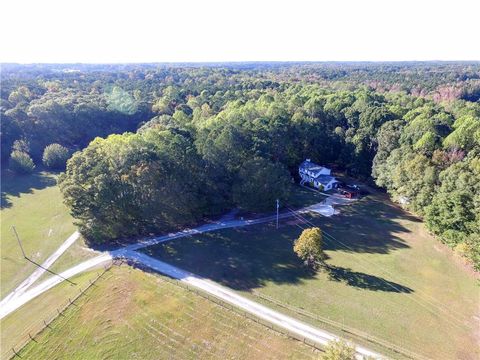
(19, 242)
(35, 263)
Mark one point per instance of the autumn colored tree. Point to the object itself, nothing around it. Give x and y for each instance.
(309, 247)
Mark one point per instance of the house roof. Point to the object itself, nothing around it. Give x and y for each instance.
(312, 167)
(325, 179)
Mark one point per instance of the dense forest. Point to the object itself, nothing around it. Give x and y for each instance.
(152, 147)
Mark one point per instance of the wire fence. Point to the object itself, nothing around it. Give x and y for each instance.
(246, 314)
(36, 328)
(349, 331)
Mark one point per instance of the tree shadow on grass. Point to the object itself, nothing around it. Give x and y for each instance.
(241, 262)
(253, 256)
(249, 258)
(372, 225)
(364, 281)
(14, 185)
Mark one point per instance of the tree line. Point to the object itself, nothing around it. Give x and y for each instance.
(190, 142)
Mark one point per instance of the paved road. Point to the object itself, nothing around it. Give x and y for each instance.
(292, 325)
(20, 289)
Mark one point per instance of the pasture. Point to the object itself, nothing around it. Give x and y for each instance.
(385, 275)
(131, 314)
(33, 203)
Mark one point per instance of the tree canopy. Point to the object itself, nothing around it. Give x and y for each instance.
(309, 246)
(196, 140)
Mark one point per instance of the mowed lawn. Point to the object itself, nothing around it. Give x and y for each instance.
(130, 314)
(33, 203)
(386, 276)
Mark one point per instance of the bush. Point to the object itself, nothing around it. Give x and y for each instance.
(472, 250)
(339, 350)
(21, 162)
(55, 156)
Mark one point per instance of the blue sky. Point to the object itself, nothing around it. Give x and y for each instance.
(183, 30)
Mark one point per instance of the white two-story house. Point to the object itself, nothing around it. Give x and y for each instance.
(318, 176)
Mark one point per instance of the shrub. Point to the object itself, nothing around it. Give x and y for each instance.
(55, 156)
(339, 350)
(21, 162)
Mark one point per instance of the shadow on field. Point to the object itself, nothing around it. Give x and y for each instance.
(364, 281)
(249, 257)
(369, 226)
(241, 262)
(14, 185)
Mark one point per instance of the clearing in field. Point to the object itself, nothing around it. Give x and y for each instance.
(132, 314)
(386, 276)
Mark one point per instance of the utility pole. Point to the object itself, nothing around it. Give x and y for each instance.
(278, 206)
(19, 242)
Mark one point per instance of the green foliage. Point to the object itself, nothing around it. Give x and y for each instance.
(454, 213)
(426, 143)
(259, 183)
(405, 135)
(135, 184)
(339, 350)
(121, 101)
(472, 249)
(55, 156)
(309, 246)
(466, 134)
(21, 162)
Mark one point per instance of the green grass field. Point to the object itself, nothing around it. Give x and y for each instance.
(134, 315)
(33, 204)
(29, 318)
(386, 276)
